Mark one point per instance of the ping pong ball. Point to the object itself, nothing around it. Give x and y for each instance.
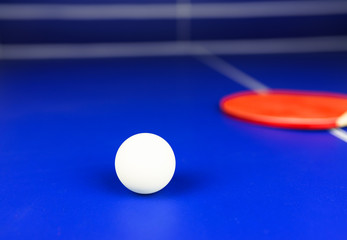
(145, 163)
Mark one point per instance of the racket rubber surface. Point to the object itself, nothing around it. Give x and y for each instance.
(288, 109)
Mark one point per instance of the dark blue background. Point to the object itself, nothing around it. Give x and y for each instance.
(51, 31)
(139, 30)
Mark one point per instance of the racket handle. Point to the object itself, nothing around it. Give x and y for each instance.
(342, 120)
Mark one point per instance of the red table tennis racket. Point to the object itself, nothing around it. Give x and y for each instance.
(288, 109)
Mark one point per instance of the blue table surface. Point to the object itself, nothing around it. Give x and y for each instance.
(62, 121)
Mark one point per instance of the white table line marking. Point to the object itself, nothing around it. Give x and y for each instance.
(339, 133)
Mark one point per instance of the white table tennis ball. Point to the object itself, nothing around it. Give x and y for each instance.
(145, 163)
